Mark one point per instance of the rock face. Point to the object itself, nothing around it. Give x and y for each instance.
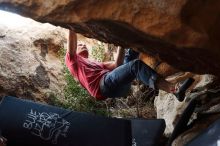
(206, 111)
(183, 33)
(170, 109)
(29, 63)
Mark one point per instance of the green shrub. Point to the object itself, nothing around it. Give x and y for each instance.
(98, 52)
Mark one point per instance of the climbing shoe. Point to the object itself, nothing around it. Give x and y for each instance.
(180, 88)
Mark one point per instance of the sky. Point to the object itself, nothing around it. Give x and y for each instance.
(11, 19)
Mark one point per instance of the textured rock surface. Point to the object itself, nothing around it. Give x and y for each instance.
(184, 33)
(170, 109)
(201, 125)
(158, 65)
(29, 63)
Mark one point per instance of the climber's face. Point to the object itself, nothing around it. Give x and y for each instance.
(82, 50)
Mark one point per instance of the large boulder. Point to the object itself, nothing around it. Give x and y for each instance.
(183, 33)
(29, 60)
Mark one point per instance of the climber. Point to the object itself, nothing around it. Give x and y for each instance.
(113, 79)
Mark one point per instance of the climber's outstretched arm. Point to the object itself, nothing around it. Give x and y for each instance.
(71, 42)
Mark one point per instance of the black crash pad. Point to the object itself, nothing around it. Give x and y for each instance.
(147, 132)
(24, 122)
